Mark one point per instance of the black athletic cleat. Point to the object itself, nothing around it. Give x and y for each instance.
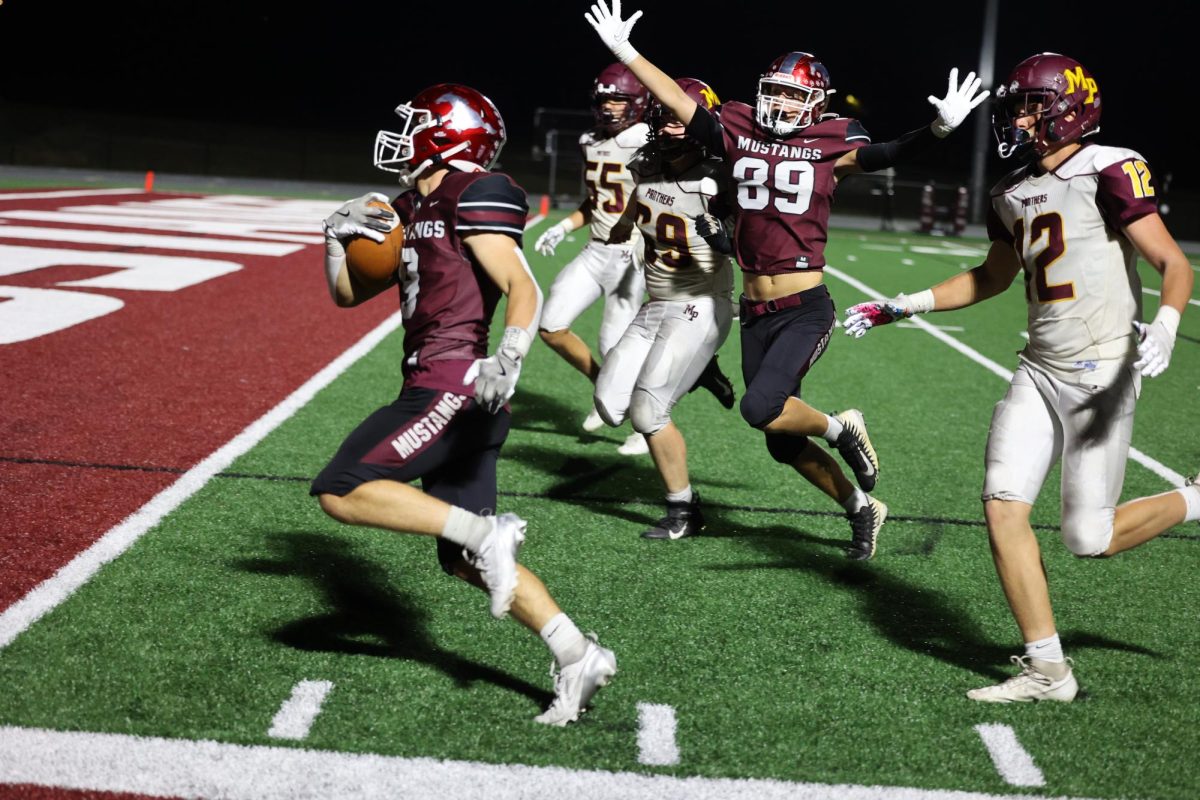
(716, 382)
(682, 519)
(865, 523)
(856, 450)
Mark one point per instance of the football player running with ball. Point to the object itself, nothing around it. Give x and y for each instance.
(785, 156)
(462, 250)
(1074, 218)
(679, 330)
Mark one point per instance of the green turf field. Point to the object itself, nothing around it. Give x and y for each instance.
(781, 658)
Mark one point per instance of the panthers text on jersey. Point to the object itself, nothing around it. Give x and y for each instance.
(784, 186)
(679, 264)
(1081, 278)
(609, 183)
(447, 298)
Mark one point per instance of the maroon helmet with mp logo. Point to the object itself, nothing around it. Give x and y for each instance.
(1059, 92)
(792, 94)
(447, 124)
(658, 117)
(617, 82)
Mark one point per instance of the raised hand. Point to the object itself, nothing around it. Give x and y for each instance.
(612, 30)
(957, 105)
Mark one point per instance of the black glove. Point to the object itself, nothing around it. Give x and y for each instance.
(713, 231)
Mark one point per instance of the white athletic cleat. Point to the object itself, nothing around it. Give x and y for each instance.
(635, 445)
(856, 449)
(593, 422)
(497, 560)
(576, 684)
(1031, 684)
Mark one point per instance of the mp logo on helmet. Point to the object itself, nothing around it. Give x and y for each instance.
(1076, 79)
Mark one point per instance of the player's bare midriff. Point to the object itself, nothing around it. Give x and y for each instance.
(771, 287)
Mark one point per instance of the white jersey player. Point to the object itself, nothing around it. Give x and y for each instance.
(677, 333)
(609, 265)
(1074, 220)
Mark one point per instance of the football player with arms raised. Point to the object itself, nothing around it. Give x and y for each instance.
(610, 265)
(678, 331)
(462, 250)
(1073, 218)
(785, 156)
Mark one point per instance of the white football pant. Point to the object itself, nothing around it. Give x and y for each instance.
(609, 270)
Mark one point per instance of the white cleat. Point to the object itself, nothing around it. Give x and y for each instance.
(1032, 684)
(497, 560)
(593, 422)
(635, 445)
(576, 684)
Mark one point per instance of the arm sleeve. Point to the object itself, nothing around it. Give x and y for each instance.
(493, 204)
(706, 129)
(875, 157)
(1125, 192)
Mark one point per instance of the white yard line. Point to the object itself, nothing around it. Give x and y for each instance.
(1158, 468)
(656, 735)
(1157, 293)
(180, 768)
(296, 716)
(1014, 764)
(49, 195)
(46, 596)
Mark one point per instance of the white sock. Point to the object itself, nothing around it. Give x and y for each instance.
(1191, 496)
(466, 529)
(1048, 649)
(834, 430)
(564, 639)
(855, 501)
(684, 495)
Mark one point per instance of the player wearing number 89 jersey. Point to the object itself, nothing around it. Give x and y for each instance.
(1073, 220)
(785, 155)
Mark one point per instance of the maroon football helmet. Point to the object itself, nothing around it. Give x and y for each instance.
(617, 82)
(658, 117)
(792, 94)
(447, 124)
(1050, 87)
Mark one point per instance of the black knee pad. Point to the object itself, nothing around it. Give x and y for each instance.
(758, 409)
(785, 449)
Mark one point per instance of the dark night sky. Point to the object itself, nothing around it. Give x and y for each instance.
(344, 66)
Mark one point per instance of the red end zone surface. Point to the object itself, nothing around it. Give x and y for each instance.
(99, 416)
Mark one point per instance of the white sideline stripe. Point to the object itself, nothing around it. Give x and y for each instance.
(656, 735)
(297, 714)
(904, 323)
(180, 768)
(1157, 467)
(65, 193)
(1013, 763)
(47, 595)
(1157, 293)
(532, 221)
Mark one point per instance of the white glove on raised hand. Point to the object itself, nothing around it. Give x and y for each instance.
(864, 316)
(1156, 341)
(551, 239)
(356, 218)
(495, 377)
(612, 31)
(957, 105)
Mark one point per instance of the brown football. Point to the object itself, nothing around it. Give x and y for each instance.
(375, 261)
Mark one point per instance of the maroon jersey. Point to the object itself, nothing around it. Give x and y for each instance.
(447, 298)
(784, 186)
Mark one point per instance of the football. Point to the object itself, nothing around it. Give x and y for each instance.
(375, 261)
